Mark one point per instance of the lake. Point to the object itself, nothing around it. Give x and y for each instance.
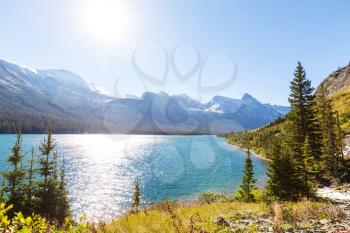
(101, 169)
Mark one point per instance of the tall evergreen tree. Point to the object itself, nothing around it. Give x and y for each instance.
(301, 123)
(30, 186)
(312, 169)
(281, 172)
(48, 187)
(136, 199)
(63, 204)
(328, 124)
(16, 177)
(248, 181)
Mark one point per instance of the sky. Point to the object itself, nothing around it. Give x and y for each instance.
(199, 47)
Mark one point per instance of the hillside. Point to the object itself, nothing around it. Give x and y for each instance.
(30, 99)
(337, 85)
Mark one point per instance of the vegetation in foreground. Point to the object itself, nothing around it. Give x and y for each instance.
(219, 215)
(35, 186)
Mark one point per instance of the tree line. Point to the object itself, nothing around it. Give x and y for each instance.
(305, 147)
(38, 185)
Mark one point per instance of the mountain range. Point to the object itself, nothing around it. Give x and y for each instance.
(31, 99)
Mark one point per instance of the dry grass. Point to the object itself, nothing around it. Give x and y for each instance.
(341, 102)
(171, 217)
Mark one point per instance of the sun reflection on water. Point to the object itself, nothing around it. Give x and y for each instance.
(101, 169)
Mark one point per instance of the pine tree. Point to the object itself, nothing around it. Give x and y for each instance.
(63, 204)
(30, 187)
(136, 199)
(281, 172)
(328, 124)
(301, 123)
(311, 167)
(16, 177)
(248, 181)
(48, 192)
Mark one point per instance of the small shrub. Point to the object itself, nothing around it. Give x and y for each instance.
(211, 197)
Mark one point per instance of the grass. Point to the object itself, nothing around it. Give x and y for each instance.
(172, 218)
(169, 217)
(341, 102)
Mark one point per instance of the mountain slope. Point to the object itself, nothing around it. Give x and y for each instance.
(30, 99)
(338, 87)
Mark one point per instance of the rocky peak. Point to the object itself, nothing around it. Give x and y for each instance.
(248, 98)
(337, 80)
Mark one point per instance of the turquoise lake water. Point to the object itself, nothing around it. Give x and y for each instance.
(101, 169)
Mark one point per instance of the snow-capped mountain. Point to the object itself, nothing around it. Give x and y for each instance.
(223, 104)
(33, 98)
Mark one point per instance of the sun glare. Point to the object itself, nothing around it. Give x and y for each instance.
(106, 20)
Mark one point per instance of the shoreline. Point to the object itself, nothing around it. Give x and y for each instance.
(252, 152)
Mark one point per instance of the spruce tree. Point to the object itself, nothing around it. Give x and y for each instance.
(328, 124)
(312, 168)
(136, 199)
(248, 181)
(48, 186)
(301, 123)
(281, 172)
(16, 177)
(30, 186)
(63, 204)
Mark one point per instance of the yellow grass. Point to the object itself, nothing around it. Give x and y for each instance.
(341, 103)
(169, 218)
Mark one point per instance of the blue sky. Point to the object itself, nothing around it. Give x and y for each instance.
(265, 39)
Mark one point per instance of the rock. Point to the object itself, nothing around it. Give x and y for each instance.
(325, 221)
(337, 80)
(222, 222)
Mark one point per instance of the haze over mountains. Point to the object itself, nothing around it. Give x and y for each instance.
(29, 99)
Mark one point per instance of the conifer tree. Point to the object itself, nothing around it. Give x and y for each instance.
(16, 177)
(136, 196)
(328, 124)
(248, 181)
(311, 167)
(48, 186)
(30, 187)
(302, 122)
(281, 172)
(63, 204)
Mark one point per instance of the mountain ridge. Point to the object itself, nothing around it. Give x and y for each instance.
(33, 98)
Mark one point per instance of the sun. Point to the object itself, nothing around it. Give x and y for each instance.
(105, 20)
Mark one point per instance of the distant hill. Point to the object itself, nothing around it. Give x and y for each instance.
(30, 99)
